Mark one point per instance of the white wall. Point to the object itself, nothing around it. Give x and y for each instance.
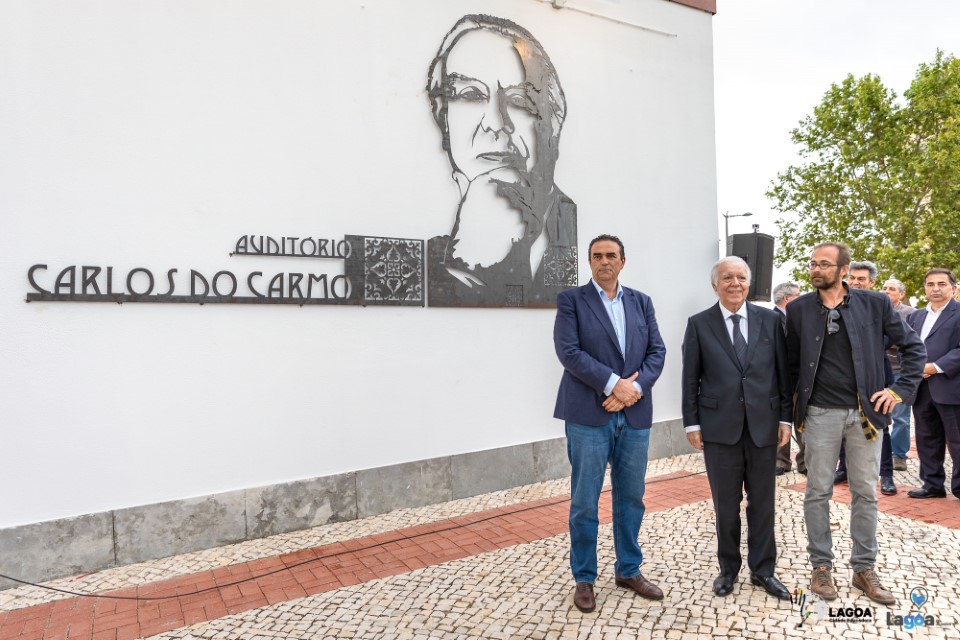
(155, 133)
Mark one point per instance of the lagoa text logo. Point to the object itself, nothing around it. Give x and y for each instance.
(850, 614)
(813, 605)
(915, 617)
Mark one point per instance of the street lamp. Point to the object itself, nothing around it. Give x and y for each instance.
(726, 223)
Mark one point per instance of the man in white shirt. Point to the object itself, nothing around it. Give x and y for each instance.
(736, 404)
(936, 409)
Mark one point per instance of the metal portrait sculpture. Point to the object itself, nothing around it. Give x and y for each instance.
(497, 100)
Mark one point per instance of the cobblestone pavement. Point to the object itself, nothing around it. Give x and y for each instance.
(495, 566)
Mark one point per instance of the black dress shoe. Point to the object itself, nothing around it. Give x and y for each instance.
(771, 585)
(887, 487)
(927, 493)
(781, 471)
(723, 585)
(839, 476)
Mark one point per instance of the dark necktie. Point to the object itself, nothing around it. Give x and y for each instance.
(739, 342)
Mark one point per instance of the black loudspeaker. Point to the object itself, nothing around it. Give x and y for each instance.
(757, 249)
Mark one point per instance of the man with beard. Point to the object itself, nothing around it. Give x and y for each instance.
(863, 276)
(835, 351)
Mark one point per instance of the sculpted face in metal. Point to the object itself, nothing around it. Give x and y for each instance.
(491, 111)
(497, 99)
(498, 103)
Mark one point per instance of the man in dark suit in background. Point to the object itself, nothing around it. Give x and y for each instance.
(936, 410)
(607, 339)
(783, 294)
(736, 407)
(863, 276)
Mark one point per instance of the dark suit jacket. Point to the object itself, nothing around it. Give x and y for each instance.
(718, 395)
(782, 317)
(868, 316)
(943, 349)
(587, 346)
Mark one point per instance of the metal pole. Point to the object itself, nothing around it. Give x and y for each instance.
(726, 233)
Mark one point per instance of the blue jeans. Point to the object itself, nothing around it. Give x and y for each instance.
(900, 433)
(589, 450)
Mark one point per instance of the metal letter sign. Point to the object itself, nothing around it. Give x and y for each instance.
(497, 100)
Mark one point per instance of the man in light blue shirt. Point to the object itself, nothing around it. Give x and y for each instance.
(607, 340)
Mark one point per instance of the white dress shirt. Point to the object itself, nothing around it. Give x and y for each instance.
(927, 327)
(614, 310)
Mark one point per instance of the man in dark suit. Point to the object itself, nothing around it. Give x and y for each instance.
(783, 294)
(936, 410)
(736, 407)
(607, 339)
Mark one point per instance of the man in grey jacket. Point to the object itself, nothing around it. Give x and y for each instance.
(835, 354)
(900, 431)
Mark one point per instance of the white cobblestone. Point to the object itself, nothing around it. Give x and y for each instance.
(524, 591)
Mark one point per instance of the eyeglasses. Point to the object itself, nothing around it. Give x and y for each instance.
(823, 265)
(832, 325)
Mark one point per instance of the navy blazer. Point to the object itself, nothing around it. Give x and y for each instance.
(943, 349)
(722, 397)
(587, 346)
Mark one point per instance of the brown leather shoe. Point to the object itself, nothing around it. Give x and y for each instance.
(641, 585)
(821, 583)
(868, 582)
(583, 597)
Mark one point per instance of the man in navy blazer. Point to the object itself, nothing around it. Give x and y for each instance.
(736, 406)
(607, 339)
(936, 409)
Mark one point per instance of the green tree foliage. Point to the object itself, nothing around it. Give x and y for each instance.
(881, 174)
